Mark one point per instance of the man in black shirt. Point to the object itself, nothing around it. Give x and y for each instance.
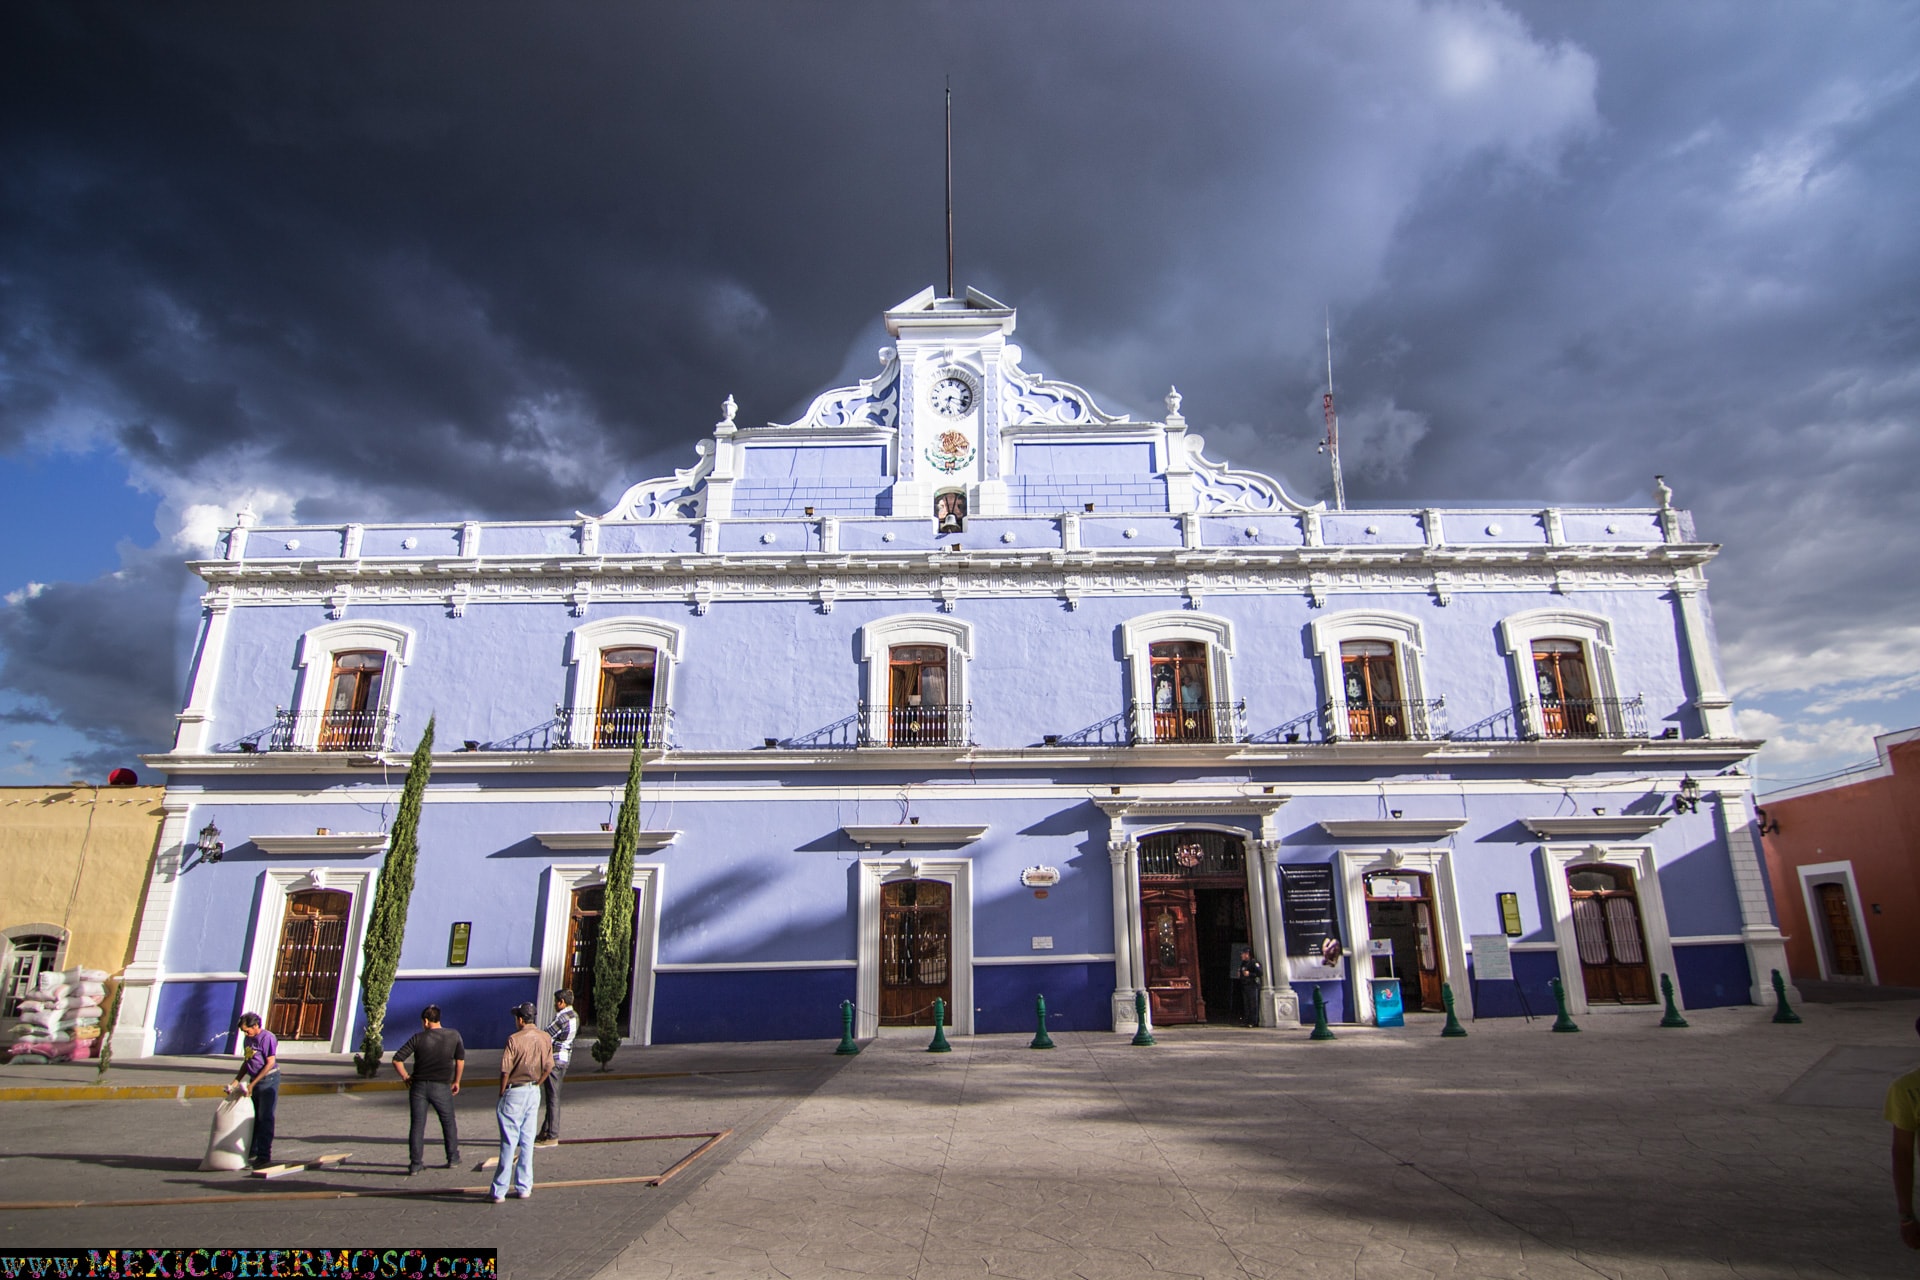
(439, 1060)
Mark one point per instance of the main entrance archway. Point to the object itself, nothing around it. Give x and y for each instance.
(1194, 923)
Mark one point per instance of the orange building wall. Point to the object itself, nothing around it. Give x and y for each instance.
(1875, 825)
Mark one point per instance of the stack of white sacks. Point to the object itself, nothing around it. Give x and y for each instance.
(60, 1015)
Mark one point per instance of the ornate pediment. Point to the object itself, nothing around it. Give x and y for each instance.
(870, 403)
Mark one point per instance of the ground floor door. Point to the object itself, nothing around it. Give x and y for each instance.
(306, 970)
(1606, 929)
(1400, 913)
(916, 951)
(1843, 944)
(583, 951)
(1193, 925)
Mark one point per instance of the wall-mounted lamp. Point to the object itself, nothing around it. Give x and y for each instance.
(209, 846)
(1768, 826)
(1670, 732)
(809, 510)
(1688, 801)
(1396, 812)
(1599, 811)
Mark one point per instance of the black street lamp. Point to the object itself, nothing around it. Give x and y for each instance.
(211, 850)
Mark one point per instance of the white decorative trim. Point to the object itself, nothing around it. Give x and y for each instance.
(1616, 826)
(874, 872)
(878, 637)
(1709, 939)
(572, 840)
(276, 885)
(1437, 864)
(234, 975)
(344, 843)
(557, 884)
(916, 833)
(1139, 634)
(1840, 873)
(1393, 828)
(195, 718)
(586, 643)
(1400, 630)
(135, 1028)
(750, 966)
(1639, 859)
(1593, 632)
(1049, 957)
(1219, 489)
(471, 971)
(314, 657)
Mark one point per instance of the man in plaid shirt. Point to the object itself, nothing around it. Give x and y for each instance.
(565, 1025)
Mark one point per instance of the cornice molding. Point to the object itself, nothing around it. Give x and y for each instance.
(602, 839)
(1393, 828)
(1623, 826)
(337, 843)
(1125, 806)
(949, 836)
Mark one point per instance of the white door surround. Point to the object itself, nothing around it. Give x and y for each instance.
(874, 872)
(1840, 873)
(1554, 861)
(278, 884)
(1437, 866)
(559, 883)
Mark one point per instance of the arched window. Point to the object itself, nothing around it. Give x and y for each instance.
(352, 718)
(914, 692)
(1562, 664)
(28, 955)
(627, 688)
(619, 690)
(349, 688)
(1370, 666)
(950, 511)
(1179, 668)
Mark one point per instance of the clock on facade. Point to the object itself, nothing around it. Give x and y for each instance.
(952, 396)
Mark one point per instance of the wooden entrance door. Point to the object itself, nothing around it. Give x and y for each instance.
(583, 947)
(1400, 912)
(1172, 954)
(1843, 945)
(1606, 929)
(306, 971)
(916, 951)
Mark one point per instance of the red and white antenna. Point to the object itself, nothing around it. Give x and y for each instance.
(1331, 445)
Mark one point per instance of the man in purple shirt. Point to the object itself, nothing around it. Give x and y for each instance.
(259, 1079)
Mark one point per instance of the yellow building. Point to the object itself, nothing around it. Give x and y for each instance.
(73, 866)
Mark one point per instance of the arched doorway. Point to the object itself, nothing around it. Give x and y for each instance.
(1193, 923)
(307, 967)
(1608, 934)
(916, 951)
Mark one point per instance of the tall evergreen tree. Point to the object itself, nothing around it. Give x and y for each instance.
(613, 955)
(387, 929)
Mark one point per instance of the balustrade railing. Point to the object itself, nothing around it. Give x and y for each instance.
(612, 728)
(331, 730)
(939, 725)
(1387, 720)
(1189, 722)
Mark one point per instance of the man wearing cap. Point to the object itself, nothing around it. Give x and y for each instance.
(524, 1066)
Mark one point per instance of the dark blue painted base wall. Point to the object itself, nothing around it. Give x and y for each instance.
(1079, 996)
(478, 1008)
(197, 1017)
(1527, 993)
(1713, 976)
(757, 1004)
(1334, 993)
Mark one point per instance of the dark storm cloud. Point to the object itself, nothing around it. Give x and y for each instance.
(418, 261)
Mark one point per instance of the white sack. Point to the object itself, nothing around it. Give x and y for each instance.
(232, 1134)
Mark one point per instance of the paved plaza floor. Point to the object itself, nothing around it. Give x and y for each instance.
(1733, 1148)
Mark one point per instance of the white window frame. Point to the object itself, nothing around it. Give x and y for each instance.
(558, 884)
(1639, 859)
(878, 638)
(1139, 635)
(276, 885)
(586, 643)
(1593, 632)
(15, 933)
(1437, 866)
(1840, 873)
(1400, 630)
(874, 872)
(314, 658)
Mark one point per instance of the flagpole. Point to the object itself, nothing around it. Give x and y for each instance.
(949, 186)
(1332, 443)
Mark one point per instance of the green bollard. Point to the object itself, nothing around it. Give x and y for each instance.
(1673, 1018)
(1041, 1040)
(1785, 1012)
(1565, 1021)
(1321, 1031)
(1453, 1027)
(939, 1044)
(1141, 1036)
(847, 1044)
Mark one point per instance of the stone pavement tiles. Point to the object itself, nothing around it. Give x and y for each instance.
(1626, 1151)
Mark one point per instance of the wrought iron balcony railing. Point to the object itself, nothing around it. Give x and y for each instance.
(330, 731)
(1396, 720)
(1577, 718)
(1190, 722)
(611, 728)
(943, 725)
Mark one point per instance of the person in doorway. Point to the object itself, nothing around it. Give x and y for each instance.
(1903, 1113)
(439, 1058)
(1249, 974)
(524, 1066)
(259, 1079)
(561, 1031)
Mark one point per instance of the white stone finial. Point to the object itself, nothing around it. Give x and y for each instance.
(245, 516)
(1662, 495)
(728, 408)
(1173, 403)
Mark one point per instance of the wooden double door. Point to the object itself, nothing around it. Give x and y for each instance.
(916, 951)
(307, 967)
(1192, 930)
(1607, 932)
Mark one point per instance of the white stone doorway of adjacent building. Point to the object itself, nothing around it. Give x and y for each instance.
(1840, 939)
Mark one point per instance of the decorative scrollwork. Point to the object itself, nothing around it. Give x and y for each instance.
(680, 496)
(1218, 487)
(873, 402)
(1029, 398)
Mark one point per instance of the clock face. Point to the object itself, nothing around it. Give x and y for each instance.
(952, 396)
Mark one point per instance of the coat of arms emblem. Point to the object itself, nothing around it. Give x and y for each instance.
(951, 452)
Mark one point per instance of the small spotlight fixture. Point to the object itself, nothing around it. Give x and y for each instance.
(769, 743)
(1396, 812)
(209, 846)
(1688, 801)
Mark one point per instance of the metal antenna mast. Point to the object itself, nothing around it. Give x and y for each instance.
(1331, 444)
(949, 186)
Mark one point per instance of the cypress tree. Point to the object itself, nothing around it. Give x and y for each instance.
(613, 954)
(380, 957)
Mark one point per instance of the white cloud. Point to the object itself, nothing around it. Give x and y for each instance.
(26, 593)
(1788, 743)
(1880, 654)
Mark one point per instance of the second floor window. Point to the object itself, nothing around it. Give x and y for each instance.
(1182, 706)
(917, 694)
(351, 722)
(626, 697)
(1567, 707)
(1370, 682)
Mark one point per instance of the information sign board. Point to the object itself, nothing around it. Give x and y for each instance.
(1492, 959)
